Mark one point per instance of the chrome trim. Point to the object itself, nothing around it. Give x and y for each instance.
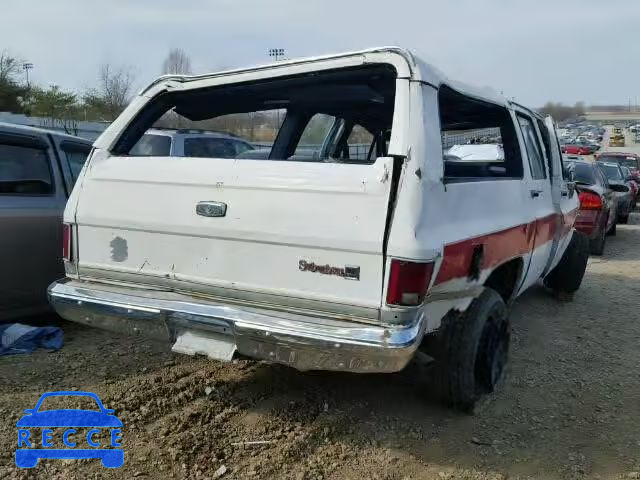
(302, 342)
(267, 300)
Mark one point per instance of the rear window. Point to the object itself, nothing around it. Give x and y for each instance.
(24, 171)
(342, 116)
(612, 172)
(581, 173)
(151, 145)
(630, 162)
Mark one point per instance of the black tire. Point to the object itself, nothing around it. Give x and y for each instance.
(567, 276)
(623, 219)
(612, 231)
(596, 246)
(471, 351)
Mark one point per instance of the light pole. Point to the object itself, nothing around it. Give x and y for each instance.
(26, 67)
(277, 54)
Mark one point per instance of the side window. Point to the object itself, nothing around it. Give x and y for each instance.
(359, 143)
(24, 171)
(209, 147)
(534, 152)
(313, 137)
(242, 147)
(546, 142)
(479, 139)
(75, 157)
(151, 145)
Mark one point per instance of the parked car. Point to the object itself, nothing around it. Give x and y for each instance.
(598, 203)
(617, 181)
(37, 171)
(334, 261)
(189, 142)
(631, 183)
(625, 159)
(578, 149)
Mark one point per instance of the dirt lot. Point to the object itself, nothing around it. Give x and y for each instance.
(570, 408)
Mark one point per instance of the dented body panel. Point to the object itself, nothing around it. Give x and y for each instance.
(307, 246)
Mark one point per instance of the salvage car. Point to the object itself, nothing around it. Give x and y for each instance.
(618, 183)
(330, 261)
(598, 204)
(38, 169)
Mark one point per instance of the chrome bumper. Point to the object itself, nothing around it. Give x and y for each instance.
(199, 326)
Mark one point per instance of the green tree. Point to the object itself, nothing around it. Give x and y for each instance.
(12, 93)
(57, 107)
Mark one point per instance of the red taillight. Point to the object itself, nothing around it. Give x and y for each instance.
(408, 282)
(590, 201)
(66, 242)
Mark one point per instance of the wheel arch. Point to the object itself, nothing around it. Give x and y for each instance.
(506, 278)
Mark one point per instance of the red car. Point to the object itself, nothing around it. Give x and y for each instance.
(576, 149)
(598, 205)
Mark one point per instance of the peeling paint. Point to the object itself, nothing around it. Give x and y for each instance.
(119, 249)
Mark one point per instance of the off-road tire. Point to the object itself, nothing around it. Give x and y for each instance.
(470, 351)
(596, 246)
(567, 275)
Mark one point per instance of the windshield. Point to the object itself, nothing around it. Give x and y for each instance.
(612, 172)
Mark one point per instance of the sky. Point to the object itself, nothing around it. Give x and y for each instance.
(534, 50)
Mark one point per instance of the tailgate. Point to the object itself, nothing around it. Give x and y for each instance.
(306, 230)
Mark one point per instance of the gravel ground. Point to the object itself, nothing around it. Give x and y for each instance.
(570, 408)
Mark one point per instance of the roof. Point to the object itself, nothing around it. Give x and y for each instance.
(420, 70)
(13, 127)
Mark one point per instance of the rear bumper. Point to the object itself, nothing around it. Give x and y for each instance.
(589, 221)
(195, 325)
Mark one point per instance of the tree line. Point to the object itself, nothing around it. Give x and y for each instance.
(103, 102)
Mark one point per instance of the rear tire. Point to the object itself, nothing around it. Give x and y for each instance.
(612, 230)
(567, 275)
(471, 350)
(624, 219)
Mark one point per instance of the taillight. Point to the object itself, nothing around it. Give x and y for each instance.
(590, 201)
(66, 242)
(408, 282)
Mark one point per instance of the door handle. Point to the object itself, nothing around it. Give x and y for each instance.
(564, 193)
(535, 193)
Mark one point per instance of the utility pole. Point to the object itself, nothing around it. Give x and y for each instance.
(26, 67)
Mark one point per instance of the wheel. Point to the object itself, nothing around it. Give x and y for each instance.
(596, 246)
(471, 351)
(623, 219)
(612, 230)
(567, 275)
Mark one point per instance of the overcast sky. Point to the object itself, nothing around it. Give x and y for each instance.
(535, 50)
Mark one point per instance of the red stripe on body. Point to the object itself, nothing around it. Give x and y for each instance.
(502, 246)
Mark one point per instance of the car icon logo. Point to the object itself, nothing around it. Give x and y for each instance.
(80, 432)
